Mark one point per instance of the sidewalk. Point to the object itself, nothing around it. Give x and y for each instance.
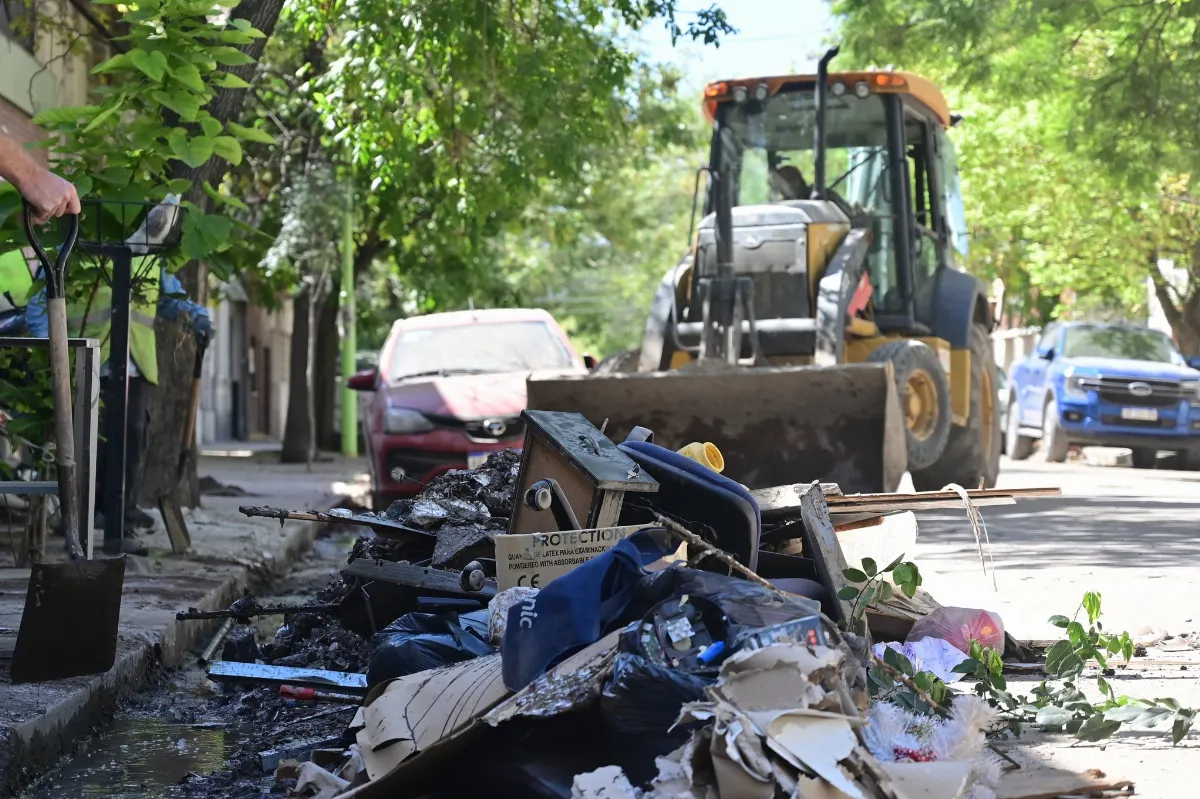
(41, 722)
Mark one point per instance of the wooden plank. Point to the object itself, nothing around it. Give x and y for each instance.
(381, 526)
(781, 502)
(821, 544)
(416, 577)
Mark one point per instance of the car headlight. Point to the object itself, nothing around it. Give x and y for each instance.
(405, 420)
(1191, 390)
(1073, 386)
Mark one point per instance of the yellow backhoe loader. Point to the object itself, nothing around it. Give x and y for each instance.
(818, 328)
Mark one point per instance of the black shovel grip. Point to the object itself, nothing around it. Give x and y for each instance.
(56, 273)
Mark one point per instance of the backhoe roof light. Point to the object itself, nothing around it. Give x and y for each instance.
(862, 89)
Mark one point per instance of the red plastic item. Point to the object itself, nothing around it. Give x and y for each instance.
(959, 627)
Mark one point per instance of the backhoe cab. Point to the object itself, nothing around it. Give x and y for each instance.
(832, 224)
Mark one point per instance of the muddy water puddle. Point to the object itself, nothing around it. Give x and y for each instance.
(179, 728)
(138, 758)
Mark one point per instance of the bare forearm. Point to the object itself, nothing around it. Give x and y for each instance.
(16, 165)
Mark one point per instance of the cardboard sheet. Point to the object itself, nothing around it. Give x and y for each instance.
(1047, 783)
(414, 713)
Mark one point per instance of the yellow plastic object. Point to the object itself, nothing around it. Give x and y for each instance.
(705, 454)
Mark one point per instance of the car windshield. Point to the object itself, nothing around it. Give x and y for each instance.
(1090, 341)
(478, 349)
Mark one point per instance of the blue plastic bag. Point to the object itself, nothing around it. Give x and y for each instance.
(578, 608)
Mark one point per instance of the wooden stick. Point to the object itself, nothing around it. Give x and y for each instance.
(679, 531)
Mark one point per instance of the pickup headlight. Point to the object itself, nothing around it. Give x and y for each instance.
(1073, 385)
(405, 420)
(1191, 390)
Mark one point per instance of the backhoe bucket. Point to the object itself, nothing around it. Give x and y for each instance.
(774, 426)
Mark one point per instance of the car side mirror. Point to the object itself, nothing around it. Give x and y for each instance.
(1046, 354)
(1194, 362)
(364, 380)
(590, 362)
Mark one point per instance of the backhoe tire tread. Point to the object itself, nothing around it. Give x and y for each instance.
(907, 356)
(965, 460)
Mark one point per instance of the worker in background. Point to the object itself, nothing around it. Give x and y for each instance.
(50, 196)
(16, 282)
(788, 183)
(155, 295)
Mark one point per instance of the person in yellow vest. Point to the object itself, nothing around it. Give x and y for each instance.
(168, 300)
(16, 281)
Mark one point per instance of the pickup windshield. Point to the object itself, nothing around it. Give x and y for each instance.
(477, 349)
(1097, 341)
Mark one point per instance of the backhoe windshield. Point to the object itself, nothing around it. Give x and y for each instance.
(767, 148)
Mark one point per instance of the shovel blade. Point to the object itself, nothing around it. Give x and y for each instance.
(69, 627)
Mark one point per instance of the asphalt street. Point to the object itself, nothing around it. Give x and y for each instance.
(1132, 535)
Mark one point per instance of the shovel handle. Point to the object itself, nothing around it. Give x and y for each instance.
(55, 273)
(60, 371)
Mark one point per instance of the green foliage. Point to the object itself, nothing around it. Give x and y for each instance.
(1061, 705)
(868, 585)
(1078, 144)
(886, 683)
(149, 115)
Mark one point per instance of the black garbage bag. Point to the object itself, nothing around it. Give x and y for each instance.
(639, 704)
(421, 641)
(747, 605)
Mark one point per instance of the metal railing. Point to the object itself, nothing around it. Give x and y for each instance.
(87, 406)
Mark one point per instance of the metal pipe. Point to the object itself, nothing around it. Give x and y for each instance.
(209, 651)
(116, 401)
(818, 191)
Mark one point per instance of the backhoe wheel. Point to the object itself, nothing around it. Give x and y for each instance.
(972, 454)
(1019, 447)
(1054, 441)
(924, 395)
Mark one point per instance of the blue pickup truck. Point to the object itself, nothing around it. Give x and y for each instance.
(1114, 385)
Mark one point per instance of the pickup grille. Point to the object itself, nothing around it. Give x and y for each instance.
(1115, 390)
(1117, 421)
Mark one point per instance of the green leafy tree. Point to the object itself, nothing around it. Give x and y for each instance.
(1095, 130)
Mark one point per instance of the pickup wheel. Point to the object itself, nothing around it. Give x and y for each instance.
(1054, 440)
(972, 453)
(1145, 458)
(1019, 447)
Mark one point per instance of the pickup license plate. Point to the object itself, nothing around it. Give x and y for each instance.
(1140, 414)
(476, 459)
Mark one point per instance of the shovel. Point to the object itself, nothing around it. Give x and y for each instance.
(168, 503)
(69, 626)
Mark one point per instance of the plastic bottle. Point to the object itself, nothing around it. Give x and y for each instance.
(705, 454)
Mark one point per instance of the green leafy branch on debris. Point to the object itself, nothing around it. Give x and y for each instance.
(868, 585)
(1058, 705)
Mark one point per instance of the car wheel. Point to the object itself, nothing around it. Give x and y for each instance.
(1145, 458)
(1054, 440)
(1017, 446)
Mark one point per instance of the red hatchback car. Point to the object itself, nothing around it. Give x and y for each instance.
(450, 389)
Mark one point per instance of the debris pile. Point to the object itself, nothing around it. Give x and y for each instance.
(586, 619)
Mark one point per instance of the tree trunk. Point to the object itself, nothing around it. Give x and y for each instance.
(168, 415)
(327, 370)
(169, 403)
(297, 432)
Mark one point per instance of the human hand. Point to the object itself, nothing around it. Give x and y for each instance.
(48, 194)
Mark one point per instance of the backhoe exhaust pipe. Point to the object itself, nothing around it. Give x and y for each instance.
(818, 192)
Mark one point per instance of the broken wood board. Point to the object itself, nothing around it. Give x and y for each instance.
(782, 502)
(1050, 783)
(230, 671)
(426, 579)
(821, 544)
(883, 541)
(381, 526)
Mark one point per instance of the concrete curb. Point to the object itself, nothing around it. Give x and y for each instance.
(32, 747)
